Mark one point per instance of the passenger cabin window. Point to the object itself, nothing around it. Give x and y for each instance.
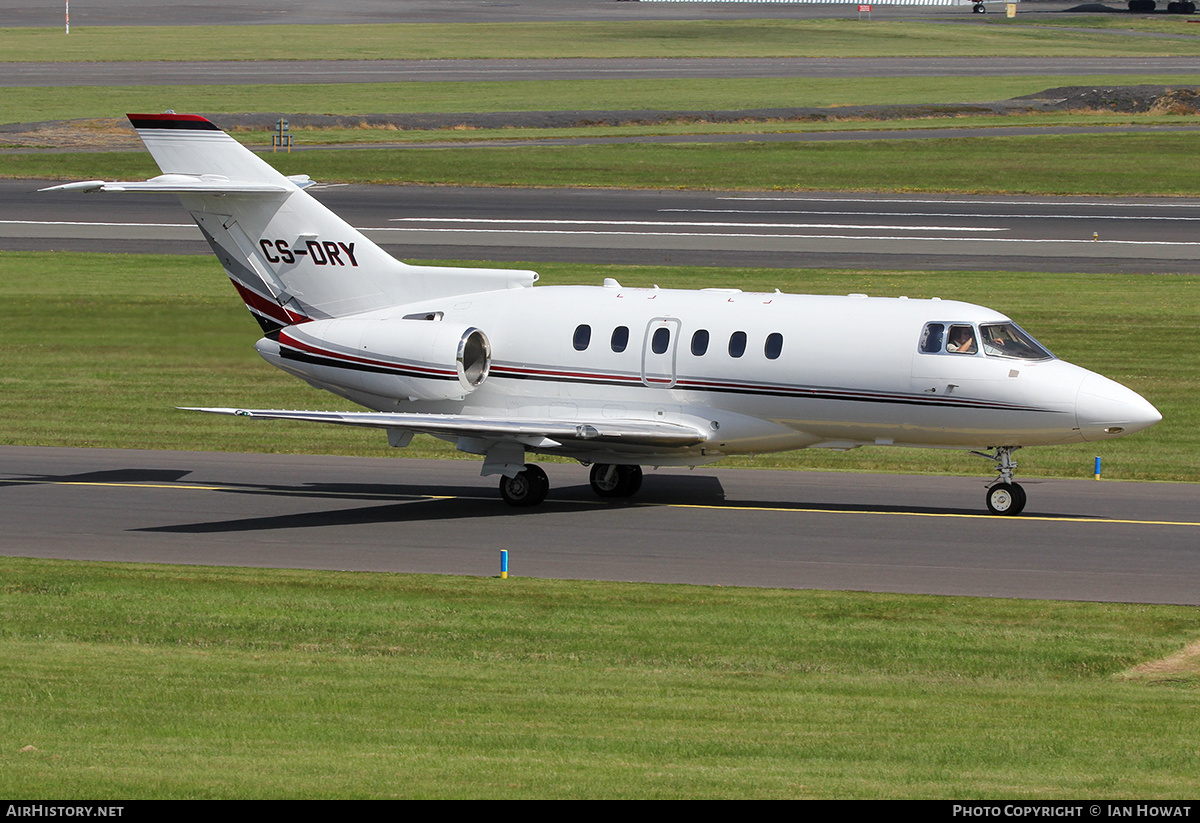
(737, 344)
(774, 346)
(700, 342)
(660, 340)
(620, 338)
(583, 336)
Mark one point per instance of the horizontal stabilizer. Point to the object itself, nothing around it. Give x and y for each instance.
(183, 184)
(290, 258)
(627, 432)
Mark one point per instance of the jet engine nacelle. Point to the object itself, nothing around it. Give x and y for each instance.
(393, 358)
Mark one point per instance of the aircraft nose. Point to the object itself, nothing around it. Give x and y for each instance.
(1106, 409)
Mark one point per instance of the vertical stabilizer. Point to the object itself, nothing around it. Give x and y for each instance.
(290, 258)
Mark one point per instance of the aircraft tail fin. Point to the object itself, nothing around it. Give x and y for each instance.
(290, 258)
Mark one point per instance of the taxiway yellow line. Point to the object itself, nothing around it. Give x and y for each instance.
(723, 507)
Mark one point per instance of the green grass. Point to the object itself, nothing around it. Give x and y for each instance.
(1043, 164)
(620, 39)
(100, 349)
(22, 105)
(384, 136)
(1140, 24)
(132, 681)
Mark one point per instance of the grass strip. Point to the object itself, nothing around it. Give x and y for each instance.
(131, 681)
(1041, 164)
(611, 39)
(100, 349)
(365, 134)
(37, 104)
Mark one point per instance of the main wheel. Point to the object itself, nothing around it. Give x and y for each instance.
(609, 480)
(1006, 498)
(528, 488)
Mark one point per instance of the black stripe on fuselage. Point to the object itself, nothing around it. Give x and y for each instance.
(298, 356)
(799, 393)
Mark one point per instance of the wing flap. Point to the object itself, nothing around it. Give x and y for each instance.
(542, 432)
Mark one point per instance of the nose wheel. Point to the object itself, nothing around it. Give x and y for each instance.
(1006, 495)
(1006, 498)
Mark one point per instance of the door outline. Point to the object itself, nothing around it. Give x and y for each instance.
(658, 370)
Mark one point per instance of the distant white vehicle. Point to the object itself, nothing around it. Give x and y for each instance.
(614, 377)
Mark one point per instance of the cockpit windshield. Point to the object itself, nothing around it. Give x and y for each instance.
(994, 339)
(1008, 340)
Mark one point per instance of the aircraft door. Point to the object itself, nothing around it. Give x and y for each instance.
(658, 352)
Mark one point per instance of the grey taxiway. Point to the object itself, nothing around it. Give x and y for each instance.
(777, 229)
(1079, 539)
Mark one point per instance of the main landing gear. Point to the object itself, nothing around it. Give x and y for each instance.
(610, 480)
(530, 486)
(979, 8)
(1005, 496)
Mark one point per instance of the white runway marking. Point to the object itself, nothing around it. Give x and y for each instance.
(470, 221)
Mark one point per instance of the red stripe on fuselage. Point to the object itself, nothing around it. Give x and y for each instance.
(286, 339)
(270, 308)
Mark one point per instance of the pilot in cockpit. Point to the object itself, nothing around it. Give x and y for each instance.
(962, 340)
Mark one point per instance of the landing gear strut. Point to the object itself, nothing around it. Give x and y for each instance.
(528, 488)
(1005, 496)
(609, 480)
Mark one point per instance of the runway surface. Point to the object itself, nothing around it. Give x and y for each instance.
(893, 231)
(1079, 539)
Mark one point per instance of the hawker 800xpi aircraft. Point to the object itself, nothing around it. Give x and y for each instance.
(614, 377)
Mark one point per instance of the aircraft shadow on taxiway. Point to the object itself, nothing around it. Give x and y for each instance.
(426, 503)
(412, 503)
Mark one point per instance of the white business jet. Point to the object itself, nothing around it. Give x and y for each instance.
(616, 378)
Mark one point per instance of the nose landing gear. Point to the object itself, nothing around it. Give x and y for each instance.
(1005, 496)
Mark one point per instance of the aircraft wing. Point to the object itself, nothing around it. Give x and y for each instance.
(540, 434)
